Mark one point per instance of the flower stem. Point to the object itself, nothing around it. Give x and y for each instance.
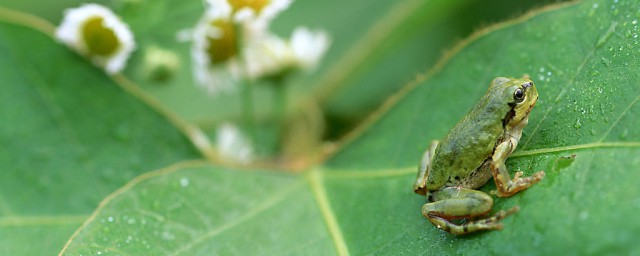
(280, 102)
(247, 108)
(280, 109)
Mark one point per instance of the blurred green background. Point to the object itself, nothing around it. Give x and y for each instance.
(376, 49)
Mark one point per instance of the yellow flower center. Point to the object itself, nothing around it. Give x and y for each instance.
(256, 5)
(223, 48)
(98, 39)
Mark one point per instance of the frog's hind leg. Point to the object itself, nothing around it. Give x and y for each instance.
(420, 187)
(461, 203)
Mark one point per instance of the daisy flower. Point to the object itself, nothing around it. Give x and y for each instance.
(94, 31)
(274, 56)
(215, 50)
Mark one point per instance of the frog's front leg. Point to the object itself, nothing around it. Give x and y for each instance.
(506, 186)
(420, 187)
(457, 203)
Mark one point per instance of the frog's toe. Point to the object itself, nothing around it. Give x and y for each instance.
(503, 214)
(517, 175)
(538, 175)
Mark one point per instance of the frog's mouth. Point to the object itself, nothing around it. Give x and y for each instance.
(513, 114)
(532, 104)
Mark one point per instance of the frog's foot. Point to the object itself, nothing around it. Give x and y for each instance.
(507, 186)
(518, 183)
(461, 203)
(490, 223)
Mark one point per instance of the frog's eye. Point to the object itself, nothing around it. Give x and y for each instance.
(518, 95)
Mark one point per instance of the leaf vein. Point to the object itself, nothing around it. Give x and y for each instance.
(343, 174)
(315, 180)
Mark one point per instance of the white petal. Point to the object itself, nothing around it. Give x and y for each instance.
(257, 24)
(267, 56)
(309, 47)
(270, 55)
(274, 8)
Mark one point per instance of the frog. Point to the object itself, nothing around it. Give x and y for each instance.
(474, 151)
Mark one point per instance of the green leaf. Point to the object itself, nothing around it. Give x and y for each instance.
(51, 11)
(69, 136)
(582, 133)
(193, 208)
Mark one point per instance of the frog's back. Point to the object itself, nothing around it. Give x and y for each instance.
(467, 146)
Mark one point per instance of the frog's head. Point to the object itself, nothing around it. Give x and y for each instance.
(521, 95)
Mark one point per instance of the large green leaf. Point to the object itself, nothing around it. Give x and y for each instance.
(583, 133)
(69, 136)
(196, 209)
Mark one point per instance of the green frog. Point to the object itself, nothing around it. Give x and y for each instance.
(471, 153)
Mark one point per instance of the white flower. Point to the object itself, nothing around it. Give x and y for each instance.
(232, 144)
(214, 50)
(273, 56)
(94, 31)
(255, 13)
